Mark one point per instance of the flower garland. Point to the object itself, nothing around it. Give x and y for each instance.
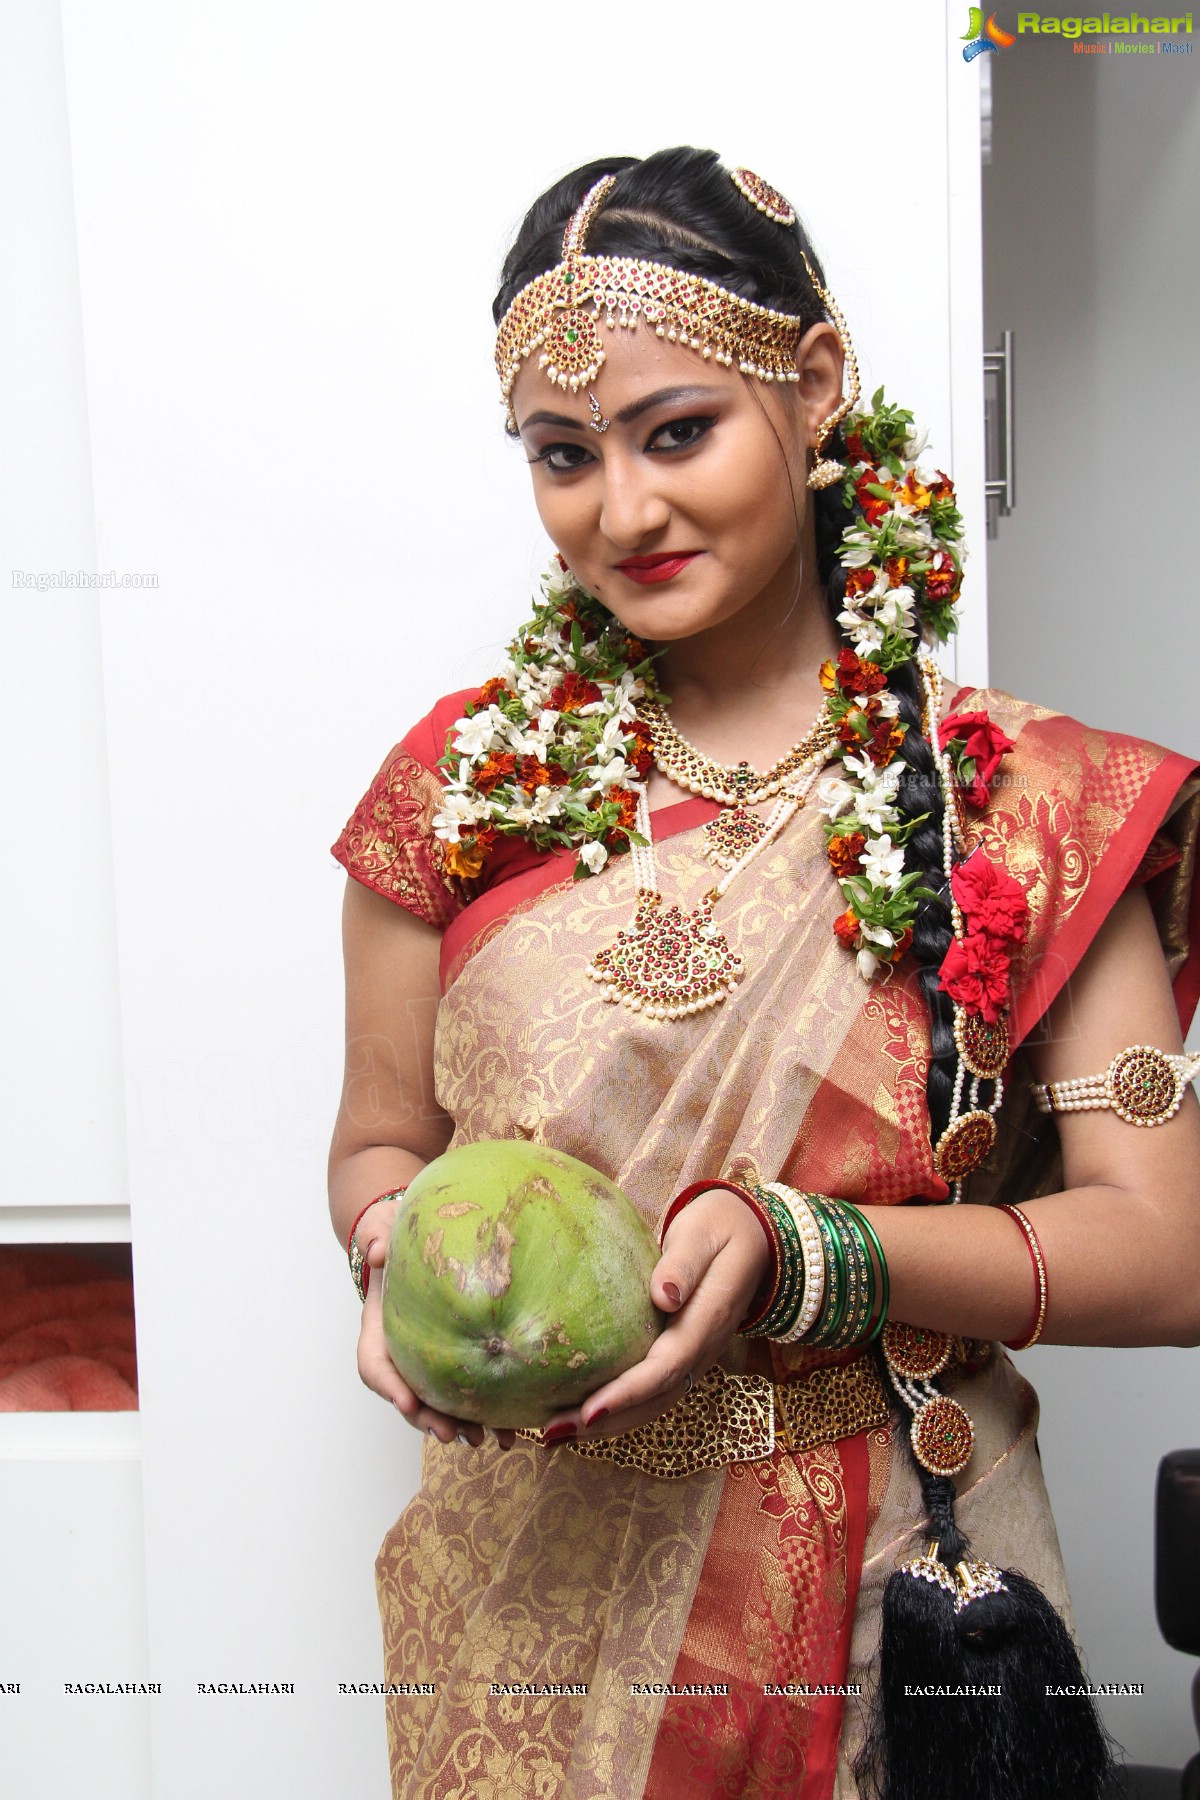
(902, 558)
(553, 749)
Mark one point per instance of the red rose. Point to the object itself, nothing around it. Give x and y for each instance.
(982, 745)
(975, 973)
(991, 900)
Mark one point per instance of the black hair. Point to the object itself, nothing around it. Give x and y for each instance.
(680, 207)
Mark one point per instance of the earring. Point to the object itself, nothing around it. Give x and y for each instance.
(824, 470)
(598, 422)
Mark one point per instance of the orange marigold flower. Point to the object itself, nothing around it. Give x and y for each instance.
(896, 568)
(532, 774)
(942, 581)
(846, 928)
(494, 690)
(855, 448)
(619, 796)
(499, 766)
(845, 848)
(914, 493)
(635, 650)
(901, 945)
(859, 581)
(641, 758)
(885, 740)
(466, 858)
(573, 692)
(872, 505)
(943, 488)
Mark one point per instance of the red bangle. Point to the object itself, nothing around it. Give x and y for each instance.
(765, 1220)
(1039, 1276)
(363, 1270)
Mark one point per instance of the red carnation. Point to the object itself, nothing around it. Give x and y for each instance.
(991, 900)
(975, 973)
(982, 744)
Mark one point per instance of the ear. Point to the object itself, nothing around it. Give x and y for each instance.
(819, 361)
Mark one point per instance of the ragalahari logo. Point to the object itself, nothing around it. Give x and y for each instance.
(985, 37)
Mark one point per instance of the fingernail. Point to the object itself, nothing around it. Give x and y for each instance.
(554, 1433)
(672, 1292)
(600, 1413)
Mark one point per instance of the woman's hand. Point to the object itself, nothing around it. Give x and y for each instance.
(715, 1256)
(375, 1365)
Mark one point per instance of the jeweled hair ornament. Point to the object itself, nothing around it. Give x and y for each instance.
(558, 314)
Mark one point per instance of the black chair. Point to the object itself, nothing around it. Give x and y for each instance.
(1177, 1607)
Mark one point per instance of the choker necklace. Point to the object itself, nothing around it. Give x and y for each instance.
(731, 834)
(669, 963)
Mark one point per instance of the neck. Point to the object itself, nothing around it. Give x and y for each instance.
(762, 663)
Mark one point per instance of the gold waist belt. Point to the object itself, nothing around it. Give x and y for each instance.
(741, 1418)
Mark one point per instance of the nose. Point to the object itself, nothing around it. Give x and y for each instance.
(633, 508)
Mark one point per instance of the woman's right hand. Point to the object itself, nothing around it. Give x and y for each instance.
(375, 1365)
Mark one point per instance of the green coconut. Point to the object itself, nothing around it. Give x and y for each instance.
(517, 1282)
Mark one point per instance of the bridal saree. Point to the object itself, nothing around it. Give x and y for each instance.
(564, 1626)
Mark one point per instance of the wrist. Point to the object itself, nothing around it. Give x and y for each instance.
(359, 1269)
(760, 1300)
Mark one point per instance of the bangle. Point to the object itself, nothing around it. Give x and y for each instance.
(881, 1286)
(780, 1317)
(359, 1271)
(771, 1282)
(801, 1209)
(833, 1310)
(1039, 1272)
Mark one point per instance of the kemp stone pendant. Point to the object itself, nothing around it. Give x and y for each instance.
(667, 963)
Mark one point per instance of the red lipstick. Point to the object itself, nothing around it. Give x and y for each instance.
(647, 569)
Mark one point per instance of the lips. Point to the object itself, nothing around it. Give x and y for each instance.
(647, 569)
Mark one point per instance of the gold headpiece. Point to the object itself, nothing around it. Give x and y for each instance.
(559, 313)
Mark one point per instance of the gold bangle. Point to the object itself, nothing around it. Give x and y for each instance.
(1039, 1271)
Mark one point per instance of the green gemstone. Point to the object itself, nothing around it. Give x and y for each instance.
(572, 336)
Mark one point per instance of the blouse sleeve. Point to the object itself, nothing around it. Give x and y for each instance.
(388, 843)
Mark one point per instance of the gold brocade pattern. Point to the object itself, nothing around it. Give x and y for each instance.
(554, 1568)
(388, 843)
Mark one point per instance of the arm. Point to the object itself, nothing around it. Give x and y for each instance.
(1121, 1241)
(388, 1123)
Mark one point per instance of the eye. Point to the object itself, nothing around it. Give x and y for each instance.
(563, 459)
(681, 434)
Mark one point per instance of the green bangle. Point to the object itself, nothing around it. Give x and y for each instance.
(860, 1280)
(790, 1296)
(833, 1312)
(875, 1325)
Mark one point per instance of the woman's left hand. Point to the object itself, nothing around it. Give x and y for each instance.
(715, 1256)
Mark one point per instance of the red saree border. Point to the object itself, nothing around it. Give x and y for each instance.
(1063, 952)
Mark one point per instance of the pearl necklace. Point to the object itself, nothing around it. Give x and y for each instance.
(731, 834)
(667, 964)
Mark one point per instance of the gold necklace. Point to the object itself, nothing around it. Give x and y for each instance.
(731, 834)
(668, 963)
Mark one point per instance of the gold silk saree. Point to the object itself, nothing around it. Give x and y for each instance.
(562, 1627)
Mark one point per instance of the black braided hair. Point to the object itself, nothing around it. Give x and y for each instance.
(680, 207)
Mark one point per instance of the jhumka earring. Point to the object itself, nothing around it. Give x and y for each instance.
(824, 470)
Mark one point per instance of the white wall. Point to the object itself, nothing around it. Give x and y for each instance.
(1091, 258)
(292, 423)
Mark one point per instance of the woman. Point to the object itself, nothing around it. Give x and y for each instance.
(673, 1626)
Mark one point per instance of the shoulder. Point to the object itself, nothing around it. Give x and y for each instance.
(1078, 814)
(389, 843)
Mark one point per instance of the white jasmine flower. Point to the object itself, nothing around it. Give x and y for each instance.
(858, 549)
(834, 795)
(867, 964)
(915, 443)
(897, 610)
(889, 704)
(866, 637)
(593, 856)
(883, 865)
(614, 772)
(457, 810)
(559, 582)
(475, 735)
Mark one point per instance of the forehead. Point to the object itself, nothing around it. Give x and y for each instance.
(636, 363)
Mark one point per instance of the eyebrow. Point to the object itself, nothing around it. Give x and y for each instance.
(671, 396)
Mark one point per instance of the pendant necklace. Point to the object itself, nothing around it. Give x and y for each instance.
(667, 962)
(733, 832)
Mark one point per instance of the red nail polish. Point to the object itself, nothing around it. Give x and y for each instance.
(553, 1434)
(671, 1291)
(597, 1416)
